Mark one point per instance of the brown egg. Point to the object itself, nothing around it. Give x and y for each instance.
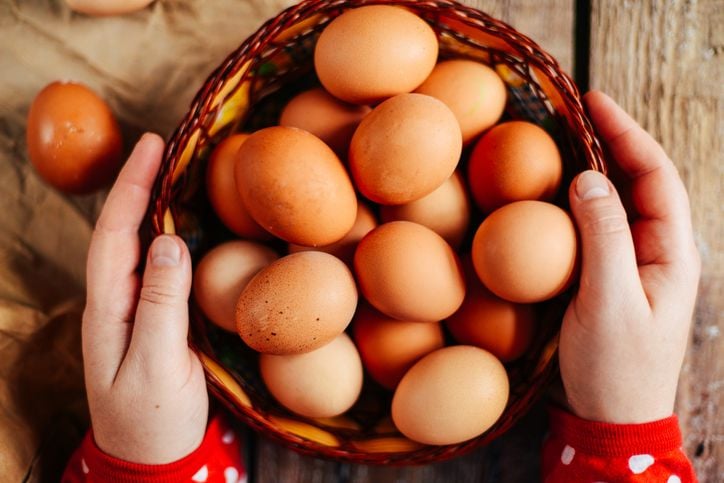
(408, 272)
(222, 192)
(450, 396)
(389, 347)
(73, 140)
(325, 116)
(319, 384)
(297, 304)
(371, 53)
(223, 273)
(505, 329)
(344, 249)
(526, 251)
(404, 149)
(295, 187)
(472, 91)
(101, 8)
(446, 211)
(514, 161)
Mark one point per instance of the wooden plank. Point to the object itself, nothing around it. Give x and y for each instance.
(550, 23)
(513, 458)
(662, 61)
(470, 468)
(277, 464)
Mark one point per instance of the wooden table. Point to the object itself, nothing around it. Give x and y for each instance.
(661, 60)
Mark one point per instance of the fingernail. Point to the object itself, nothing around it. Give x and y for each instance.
(165, 252)
(592, 184)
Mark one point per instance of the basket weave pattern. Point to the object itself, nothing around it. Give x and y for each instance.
(277, 59)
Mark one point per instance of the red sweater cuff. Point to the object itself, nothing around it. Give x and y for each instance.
(99, 466)
(611, 440)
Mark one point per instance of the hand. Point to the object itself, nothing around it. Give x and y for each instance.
(624, 334)
(146, 388)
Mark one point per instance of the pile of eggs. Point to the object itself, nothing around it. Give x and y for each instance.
(361, 180)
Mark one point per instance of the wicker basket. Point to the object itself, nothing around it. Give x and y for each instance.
(277, 59)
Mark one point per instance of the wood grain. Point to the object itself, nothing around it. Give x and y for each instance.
(550, 23)
(513, 458)
(663, 62)
(276, 464)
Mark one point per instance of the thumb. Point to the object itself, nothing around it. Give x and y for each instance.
(608, 269)
(162, 321)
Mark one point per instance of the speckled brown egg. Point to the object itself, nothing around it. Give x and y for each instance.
(296, 304)
(371, 53)
(404, 149)
(331, 120)
(503, 328)
(222, 192)
(223, 273)
(389, 347)
(472, 91)
(446, 211)
(526, 251)
(319, 384)
(451, 395)
(409, 272)
(344, 249)
(74, 141)
(295, 187)
(514, 161)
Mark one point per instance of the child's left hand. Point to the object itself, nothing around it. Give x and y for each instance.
(146, 388)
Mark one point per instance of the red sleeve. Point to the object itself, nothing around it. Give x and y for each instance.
(581, 450)
(218, 459)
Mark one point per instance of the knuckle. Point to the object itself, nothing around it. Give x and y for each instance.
(608, 222)
(158, 294)
(90, 312)
(93, 312)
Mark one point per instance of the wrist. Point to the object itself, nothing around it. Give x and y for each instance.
(630, 409)
(146, 452)
(612, 440)
(150, 442)
(219, 450)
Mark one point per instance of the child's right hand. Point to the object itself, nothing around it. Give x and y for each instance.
(624, 334)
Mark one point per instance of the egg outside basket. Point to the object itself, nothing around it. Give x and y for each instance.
(277, 59)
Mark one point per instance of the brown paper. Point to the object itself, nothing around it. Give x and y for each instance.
(147, 66)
